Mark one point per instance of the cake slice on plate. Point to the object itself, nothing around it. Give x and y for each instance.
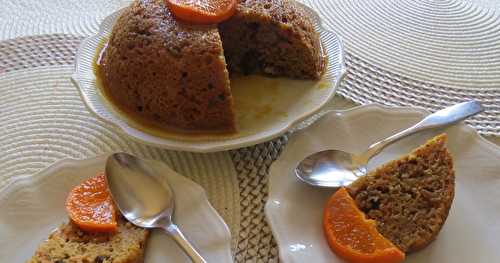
(96, 233)
(409, 198)
(70, 244)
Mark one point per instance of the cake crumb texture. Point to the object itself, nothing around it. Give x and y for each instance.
(409, 198)
(273, 37)
(69, 244)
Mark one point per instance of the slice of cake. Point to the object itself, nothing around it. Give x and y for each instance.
(69, 244)
(409, 198)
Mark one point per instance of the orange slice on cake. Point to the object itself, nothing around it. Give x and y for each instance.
(352, 236)
(202, 11)
(90, 207)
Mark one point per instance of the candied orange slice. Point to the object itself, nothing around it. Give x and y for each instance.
(352, 236)
(89, 205)
(202, 11)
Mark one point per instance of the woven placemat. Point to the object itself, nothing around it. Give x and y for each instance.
(75, 17)
(450, 43)
(365, 83)
(256, 242)
(424, 53)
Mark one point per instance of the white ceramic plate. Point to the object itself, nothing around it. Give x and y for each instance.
(472, 231)
(268, 109)
(34, 206)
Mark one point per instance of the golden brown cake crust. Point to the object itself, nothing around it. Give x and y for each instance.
(69, 244)
(409, 198)
(169, 72)
(276, 37)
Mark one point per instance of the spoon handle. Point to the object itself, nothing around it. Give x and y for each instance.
(438, 119)
(182, 241)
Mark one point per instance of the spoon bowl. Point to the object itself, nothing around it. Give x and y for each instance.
(137, 193)
(319, 168)
(143, 199)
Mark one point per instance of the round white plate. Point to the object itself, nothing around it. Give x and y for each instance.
(265, 107)
(34, 206)
(472, 230)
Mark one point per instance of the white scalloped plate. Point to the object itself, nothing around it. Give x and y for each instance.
(34, 206)
(270, 113)
(294, 210)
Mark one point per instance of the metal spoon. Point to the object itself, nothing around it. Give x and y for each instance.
(144, 200)
(335, 168)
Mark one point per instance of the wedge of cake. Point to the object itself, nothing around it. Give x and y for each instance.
(409, 198)
(70, 244)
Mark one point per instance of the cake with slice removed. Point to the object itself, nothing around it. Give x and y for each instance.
(409, 198)
(70, 244)
(174, 75)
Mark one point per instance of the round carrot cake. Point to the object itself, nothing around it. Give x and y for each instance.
(176, 74)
